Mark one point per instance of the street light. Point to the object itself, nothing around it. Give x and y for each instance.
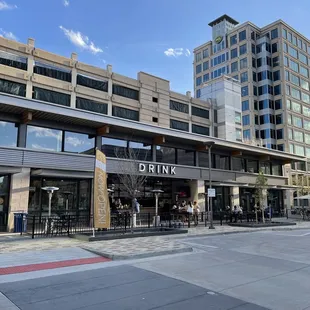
(156, 192)
(209, 144)
(50, 190)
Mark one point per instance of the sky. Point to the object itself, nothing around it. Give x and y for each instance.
(154, 36)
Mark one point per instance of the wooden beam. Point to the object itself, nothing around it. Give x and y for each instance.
(265, 158)
(236, 153)
(159, 140)
(103, 130)
(202, 147)
(26, 117)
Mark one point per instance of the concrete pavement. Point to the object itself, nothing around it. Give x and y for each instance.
(117, 288)
(259, 270)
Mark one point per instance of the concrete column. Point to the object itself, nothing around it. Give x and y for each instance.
(98, 142)
(73, 81)
(22, 135)
(198, 192)
(153, 149)
(235, 199)
(110, 89)
(189, 96)
(196, 159)
(30, 66)
(19, 194)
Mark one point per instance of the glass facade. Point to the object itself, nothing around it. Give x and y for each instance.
(47, 139)
(78, 143)
(8, 134)
(4, 201)
(72, 198)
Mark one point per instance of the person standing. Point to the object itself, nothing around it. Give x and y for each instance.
(196, 211)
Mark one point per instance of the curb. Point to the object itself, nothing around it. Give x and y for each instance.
(243, 231)
(138, 256)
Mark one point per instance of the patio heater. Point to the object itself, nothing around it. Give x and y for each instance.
(50, 190)
(67, 194)
(156, 217)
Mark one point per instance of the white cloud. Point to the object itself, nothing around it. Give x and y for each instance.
(176, 52)
(41, 147)
(66, 3)
(7, 34)
(80, 40)
(76, 141)
(6, 6)
(45, 132)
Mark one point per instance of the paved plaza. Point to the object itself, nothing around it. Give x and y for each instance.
(267, 269)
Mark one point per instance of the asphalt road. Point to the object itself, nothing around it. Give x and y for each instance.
(246, 271)
(270, 269)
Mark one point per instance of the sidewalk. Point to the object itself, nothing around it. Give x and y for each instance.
(123, 248)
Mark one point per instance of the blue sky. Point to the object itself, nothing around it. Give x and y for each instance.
(133, 35)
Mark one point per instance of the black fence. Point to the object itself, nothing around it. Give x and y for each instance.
(66, 225)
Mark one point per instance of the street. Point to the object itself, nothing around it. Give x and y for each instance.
(258, 270)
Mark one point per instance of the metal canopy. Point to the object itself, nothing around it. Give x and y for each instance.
(9, 170)
(62, 174)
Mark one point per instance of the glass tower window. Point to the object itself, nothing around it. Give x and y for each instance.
(79, 143)
(47, 139)
(8, 134)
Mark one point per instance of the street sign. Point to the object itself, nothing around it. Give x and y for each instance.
(211, 192)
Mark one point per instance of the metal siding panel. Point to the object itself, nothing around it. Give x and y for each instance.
(58, 161)
(11, 157)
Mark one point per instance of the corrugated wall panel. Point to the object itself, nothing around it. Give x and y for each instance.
(58, 161)
(11, 157)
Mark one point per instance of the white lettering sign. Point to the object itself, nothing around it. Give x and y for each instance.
(157, 169)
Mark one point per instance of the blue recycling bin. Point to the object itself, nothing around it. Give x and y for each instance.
(20, 222)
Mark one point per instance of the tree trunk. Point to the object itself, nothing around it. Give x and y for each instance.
(263, 214)
(256, 216)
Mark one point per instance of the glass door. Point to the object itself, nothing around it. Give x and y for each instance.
(4, 201)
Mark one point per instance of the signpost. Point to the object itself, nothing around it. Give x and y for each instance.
(211, 192)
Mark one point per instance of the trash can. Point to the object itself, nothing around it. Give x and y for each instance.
(20, 222)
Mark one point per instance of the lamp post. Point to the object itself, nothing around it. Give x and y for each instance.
(209, 144)
(50, 190)
(156, 218)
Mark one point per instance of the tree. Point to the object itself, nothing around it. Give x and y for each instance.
(300, 180)
(260, 195)
(128, 173)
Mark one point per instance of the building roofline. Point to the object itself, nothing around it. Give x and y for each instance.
(96, 120)
(219, 19)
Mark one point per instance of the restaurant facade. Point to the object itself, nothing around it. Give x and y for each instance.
(54, 112)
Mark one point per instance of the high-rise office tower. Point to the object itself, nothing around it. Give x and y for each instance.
(272, 64)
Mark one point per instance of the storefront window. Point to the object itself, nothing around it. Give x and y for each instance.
(276, 169)
(8, 134)
(238, 164)
(79, 143)
(252, 166)
(39, 138)
(113, 147)
(265, 167)
(141, 151)
(203, 159)
(4, 201)
(221, 162)
(186, 157)
(73, 197)
(165, 154)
